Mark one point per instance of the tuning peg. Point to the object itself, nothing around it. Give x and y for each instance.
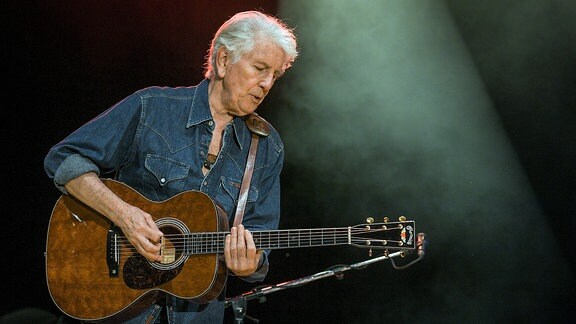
(402, 218)
(369, 220)
(386, 219)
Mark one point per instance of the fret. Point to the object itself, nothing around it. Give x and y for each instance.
(210, 243)
(259, 240)
(202, 244)
(313, 240)
(191, 243)
(274, 237)
(294, 239)
(306, 241)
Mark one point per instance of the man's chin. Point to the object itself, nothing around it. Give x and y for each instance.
(245, 112)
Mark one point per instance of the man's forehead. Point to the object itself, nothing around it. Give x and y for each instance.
(270, 55)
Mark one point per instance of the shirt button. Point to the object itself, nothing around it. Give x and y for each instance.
(201, 153)
(210, 123)
(163, 180)
(205, 183)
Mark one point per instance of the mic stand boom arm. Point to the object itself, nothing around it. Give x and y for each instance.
(238, 303)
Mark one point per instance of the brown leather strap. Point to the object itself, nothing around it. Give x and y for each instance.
(246, 181)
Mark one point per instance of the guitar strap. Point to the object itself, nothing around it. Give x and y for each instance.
(259, 128)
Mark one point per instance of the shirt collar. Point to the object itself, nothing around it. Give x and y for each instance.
(199, 108)
(200, 113)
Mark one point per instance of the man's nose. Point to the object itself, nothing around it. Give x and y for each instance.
(267, 82)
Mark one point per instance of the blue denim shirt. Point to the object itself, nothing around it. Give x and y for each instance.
(156, 141)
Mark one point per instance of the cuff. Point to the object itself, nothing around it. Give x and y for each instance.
(73, 167)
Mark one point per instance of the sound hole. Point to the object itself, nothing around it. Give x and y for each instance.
(174, 242)
(140, 273)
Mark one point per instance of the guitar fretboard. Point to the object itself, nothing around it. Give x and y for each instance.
(213, 242)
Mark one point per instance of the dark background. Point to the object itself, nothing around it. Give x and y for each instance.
(66, 61)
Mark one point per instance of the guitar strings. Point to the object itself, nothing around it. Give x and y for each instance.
(213, 242)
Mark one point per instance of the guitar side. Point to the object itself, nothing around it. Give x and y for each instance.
(77, 272)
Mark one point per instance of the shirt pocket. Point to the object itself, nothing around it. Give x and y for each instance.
(168, 172)
(231, 191)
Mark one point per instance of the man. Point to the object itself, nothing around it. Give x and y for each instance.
(162, 141)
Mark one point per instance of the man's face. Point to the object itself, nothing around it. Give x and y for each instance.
(249, 80)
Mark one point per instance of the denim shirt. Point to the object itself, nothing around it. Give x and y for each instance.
(156, 141)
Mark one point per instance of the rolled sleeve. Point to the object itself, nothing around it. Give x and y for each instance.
(72, 167)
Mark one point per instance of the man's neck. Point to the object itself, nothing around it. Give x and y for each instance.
(219, 112)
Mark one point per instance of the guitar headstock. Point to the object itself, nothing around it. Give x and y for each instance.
(387, 235)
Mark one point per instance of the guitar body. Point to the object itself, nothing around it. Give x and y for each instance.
(92, 277)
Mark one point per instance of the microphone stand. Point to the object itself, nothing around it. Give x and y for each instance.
(239, 303)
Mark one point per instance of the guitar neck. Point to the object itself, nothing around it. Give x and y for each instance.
(213, 242)
(394, 235)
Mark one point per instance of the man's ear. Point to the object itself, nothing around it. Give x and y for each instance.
(222, 61)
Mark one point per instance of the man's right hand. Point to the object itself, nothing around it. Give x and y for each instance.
(136, 224)
(142, 232)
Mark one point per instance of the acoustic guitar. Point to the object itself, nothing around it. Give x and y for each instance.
(94, 274)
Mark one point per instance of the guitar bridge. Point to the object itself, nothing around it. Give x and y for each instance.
(168, 253)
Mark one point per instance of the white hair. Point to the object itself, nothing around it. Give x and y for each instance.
(240, 33)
